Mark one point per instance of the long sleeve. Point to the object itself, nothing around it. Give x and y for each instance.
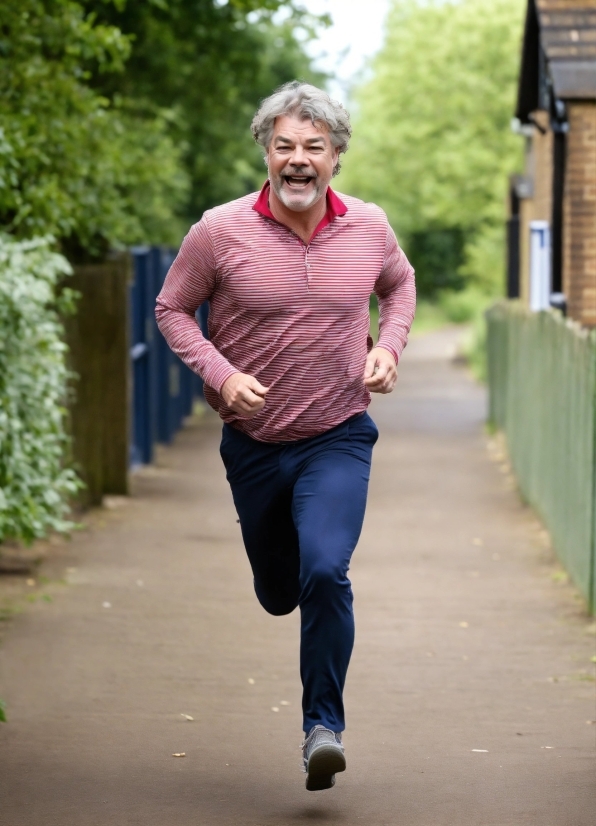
(396, 293)
(190, 281)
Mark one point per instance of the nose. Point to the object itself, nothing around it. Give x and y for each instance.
(298, 156)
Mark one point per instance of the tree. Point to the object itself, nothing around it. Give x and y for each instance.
(122, 120)
(432, 142)
(204, 66)
(70, 163)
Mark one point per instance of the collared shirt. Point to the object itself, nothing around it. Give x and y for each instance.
(293, 315)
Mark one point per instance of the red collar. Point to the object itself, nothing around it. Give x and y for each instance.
(335, 207)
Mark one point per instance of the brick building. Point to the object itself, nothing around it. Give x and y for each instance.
(553, 204)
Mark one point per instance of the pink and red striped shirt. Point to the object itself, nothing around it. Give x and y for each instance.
(293, 315)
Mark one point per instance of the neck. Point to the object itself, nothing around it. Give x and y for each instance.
(302, 223)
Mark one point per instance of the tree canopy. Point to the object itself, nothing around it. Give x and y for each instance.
(122, 120)
(432, 142)
(206, 65)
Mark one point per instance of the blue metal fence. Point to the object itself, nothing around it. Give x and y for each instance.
(163, 388)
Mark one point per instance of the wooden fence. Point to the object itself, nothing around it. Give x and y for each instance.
(542, 385)
(130, 390)
(98, 340)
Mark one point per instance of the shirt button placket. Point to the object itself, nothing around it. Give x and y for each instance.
(307, 265)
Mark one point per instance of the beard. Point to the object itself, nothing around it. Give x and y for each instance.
(297, 201)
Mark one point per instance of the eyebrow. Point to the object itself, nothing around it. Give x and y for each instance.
(281, 139)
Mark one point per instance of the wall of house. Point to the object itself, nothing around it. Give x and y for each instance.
(579, 214)
(539, 169)
(556, 5)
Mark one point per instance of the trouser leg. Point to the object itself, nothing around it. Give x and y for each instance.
(329, 501)
(263, 501)
(301, 508)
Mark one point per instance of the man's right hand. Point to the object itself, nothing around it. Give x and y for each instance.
(244, 394)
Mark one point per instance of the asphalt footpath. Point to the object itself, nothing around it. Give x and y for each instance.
(145, 685)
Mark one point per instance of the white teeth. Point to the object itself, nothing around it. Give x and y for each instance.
(297, 181)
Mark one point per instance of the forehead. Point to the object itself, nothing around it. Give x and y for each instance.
(296, 129)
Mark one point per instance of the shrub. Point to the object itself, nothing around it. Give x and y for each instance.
(35, 482)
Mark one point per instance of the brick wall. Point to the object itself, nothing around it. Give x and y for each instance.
(556, 5)
(579, 214)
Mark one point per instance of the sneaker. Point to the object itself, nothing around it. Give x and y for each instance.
(323, 756)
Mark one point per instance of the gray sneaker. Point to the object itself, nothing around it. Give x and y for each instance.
(323, 756)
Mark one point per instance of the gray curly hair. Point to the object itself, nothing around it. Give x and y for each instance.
(309, 103)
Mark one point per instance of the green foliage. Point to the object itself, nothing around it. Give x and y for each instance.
(208, 66)
(2, 711)
(432, 142)
(34, 482)
(438, 254)
(71, 163)
(463, 306)
(122, 120)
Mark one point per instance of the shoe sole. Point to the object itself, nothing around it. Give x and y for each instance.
(323, 764)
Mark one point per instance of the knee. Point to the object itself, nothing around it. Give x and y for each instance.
(276, 603)
(327, 577)
(278, 609)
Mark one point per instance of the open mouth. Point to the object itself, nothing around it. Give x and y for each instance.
(297, 182)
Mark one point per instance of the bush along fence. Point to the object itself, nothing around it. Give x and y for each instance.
(35, 481)
(542, 395)
(131, 391)
(88, 385)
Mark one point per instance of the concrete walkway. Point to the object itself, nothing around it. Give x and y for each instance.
(469, 689)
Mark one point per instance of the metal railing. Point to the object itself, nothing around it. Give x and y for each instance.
(163, 388)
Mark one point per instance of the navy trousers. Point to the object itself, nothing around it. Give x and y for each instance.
(301, 507)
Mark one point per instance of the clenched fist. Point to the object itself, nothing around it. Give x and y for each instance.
(244, 394)
(380, 372)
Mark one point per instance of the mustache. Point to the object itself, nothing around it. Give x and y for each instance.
(298, 170)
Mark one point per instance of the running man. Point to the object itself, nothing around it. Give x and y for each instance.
(288, 273)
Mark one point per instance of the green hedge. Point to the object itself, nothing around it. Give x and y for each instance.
(35, 481)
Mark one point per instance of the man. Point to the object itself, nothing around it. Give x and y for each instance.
(288, 273)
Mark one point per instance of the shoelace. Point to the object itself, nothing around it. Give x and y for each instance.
(313, 736)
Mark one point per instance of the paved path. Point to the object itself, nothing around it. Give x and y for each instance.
(469, 689)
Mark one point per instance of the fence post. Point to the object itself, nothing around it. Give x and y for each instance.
(592, 583)
(97, 337)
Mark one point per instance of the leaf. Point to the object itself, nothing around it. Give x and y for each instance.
(2, 712)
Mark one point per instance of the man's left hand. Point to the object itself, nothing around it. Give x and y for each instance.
(380, 372)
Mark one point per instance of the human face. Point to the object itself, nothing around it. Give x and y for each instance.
(301, 160)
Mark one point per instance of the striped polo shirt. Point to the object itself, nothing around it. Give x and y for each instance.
(293, 315)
